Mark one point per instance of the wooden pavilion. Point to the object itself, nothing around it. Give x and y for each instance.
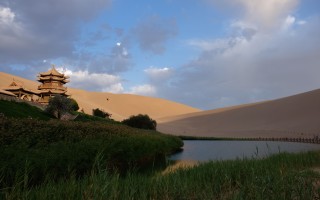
(21, 92)
(52, 83)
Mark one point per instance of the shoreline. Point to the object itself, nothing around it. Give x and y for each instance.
(314, 140)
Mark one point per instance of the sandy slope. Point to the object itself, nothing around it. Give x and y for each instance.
(294, 116)
(119, 105)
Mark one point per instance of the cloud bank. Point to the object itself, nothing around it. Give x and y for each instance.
(269, 54)
(34, 30)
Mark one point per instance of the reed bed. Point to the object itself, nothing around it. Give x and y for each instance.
(282, 176)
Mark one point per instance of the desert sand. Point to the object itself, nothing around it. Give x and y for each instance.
(294, 116)
(121, 106)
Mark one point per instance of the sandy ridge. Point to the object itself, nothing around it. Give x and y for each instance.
(121, 106)
(294, 116)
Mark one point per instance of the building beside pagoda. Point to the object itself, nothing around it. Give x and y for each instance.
(52, 83)
(17, 88)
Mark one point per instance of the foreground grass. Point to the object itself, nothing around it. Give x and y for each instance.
(283, 176)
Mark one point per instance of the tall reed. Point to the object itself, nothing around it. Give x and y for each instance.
(283, 176)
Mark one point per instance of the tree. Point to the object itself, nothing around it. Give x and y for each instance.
(75, 105)
(59, 105)
(141, 121)
(100, 113)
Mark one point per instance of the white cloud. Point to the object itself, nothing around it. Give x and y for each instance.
(114, 88)
(6, 15)
(145, 89)
(289, 22)
(158, 72)
(267, 14)
(268, 55)
(158, 75)
(32, 30)
(93, 81)
(301, 22)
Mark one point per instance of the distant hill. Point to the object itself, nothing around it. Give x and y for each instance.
(121, 106)
(293, 116)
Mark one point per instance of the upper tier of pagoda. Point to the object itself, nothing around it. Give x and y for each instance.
(52, 75)
(52, 83)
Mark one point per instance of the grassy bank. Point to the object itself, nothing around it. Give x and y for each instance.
(22, 110)
(283, 176)
(63, 149)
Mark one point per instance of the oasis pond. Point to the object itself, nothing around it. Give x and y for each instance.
(207, 150)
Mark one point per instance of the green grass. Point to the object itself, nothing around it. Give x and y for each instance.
(99, 159)
(22, 110)
(61, 149)
(283, 176)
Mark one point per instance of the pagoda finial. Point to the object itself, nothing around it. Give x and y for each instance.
(53, 66)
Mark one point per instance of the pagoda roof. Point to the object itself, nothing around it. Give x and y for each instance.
(53, 91)
(17, 88)
(47, 78)
(6, 92)
(15, 83)
(53, 72)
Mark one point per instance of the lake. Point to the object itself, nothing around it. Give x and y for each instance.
(205, 150)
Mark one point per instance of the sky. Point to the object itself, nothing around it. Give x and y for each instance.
(203, 53)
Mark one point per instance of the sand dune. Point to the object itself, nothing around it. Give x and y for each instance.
(294, 116)
(121, 106)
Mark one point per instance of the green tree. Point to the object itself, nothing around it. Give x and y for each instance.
(141, 121)
(100, 113)
(75, 105)
(59, 105)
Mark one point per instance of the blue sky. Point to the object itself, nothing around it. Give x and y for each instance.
(204, 53)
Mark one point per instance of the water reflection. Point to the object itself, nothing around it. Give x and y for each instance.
(203, 150)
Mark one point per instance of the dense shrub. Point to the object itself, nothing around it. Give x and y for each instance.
(59, 105)
(59, 149)
(100, 113)
(74, 104)
(141, 121)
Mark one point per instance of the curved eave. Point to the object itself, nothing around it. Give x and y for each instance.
(52, 78)
(16, 88)
(53, 92)
(52, 71)
(7, 93)
(13, 88)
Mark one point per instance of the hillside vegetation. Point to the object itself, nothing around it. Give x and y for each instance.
(22, 110)
(62, 149)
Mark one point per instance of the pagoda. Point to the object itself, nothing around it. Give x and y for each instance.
(51, 84)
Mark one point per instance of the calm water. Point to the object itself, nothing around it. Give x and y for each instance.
(200, 150)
